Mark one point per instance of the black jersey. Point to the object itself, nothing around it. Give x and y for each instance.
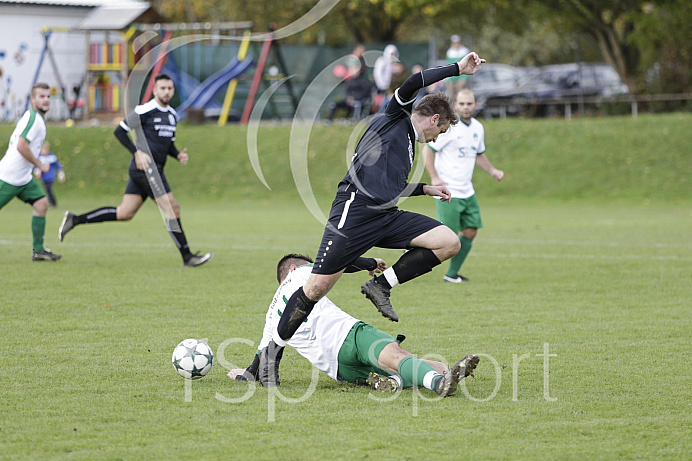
(154, 128)
(384, 155)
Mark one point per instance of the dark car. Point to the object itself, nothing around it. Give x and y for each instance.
(541, 90)
(493, 78)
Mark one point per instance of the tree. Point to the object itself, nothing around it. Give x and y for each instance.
(625, 30)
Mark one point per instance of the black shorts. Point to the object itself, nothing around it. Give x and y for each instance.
(147, 184)
(356, 225)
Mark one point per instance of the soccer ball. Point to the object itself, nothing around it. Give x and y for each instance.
(192, 359)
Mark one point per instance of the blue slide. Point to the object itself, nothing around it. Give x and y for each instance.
(208, 89)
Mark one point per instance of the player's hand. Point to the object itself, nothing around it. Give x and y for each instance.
(381, 266)
(240, 374)
(61, 176)
(470, 64)
(438, 191)
(142, 160)
(183, 156)
(498, 174)
(44, 167)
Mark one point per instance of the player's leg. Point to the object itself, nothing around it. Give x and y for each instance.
(32, 194)
(38, 222)
(432, 243)
(51, 195)
(469, 220)
(7, 193)
(379, 352)
(345, 238)
(423, 373)
(127, 209)
(298, 307)
(171, 210)
(136, 192)
(343, 241)
(449, 214)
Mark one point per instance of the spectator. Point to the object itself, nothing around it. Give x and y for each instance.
(382, 73)
(358, 88)
(455, 52)
(46, 156)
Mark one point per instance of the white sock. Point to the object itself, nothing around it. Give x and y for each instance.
(390, 276)
(429, 378)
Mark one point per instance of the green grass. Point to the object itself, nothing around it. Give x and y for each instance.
(618, 159)
(87, 341)
(598, 272)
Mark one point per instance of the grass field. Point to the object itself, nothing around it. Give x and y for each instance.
(598, 282)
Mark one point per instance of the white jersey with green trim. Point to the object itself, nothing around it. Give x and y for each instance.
(320, 337)
(14, 168)
(455, 156)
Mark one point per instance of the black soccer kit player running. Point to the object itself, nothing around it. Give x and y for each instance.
(155, 128)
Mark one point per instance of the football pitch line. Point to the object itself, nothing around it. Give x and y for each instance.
(587, 243)
(477, 252)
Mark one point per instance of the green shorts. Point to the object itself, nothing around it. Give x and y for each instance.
(460, 213)
(28, 193)
(360, 351)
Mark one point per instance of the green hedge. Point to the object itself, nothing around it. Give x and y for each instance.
(641, 160)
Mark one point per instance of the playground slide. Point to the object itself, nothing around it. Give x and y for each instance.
(207, 89)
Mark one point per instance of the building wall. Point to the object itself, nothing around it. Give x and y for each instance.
(21, 44)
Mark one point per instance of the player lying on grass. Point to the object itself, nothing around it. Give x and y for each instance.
(346, 348)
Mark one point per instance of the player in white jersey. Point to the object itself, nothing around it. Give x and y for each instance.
(450, 161)
(347, 349)
(18, 163)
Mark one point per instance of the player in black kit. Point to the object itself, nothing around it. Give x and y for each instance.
(364, 212)
(154, 124)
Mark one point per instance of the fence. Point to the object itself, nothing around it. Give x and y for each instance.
(516, 105)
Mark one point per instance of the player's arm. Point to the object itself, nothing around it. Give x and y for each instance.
(429, 160)
(142, 159)
(182, 156)
(122, 135)
(61, 172)
(25, 150)
(483, 162)
(469, 65)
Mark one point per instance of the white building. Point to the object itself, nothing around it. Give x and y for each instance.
(23, 26)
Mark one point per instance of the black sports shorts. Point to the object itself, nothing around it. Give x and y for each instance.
(356, 225)
(147, 184)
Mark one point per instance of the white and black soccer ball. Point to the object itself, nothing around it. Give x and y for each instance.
(192, 359)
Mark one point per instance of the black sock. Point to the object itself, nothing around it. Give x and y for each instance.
(107, 213)
(175, 229)
(297, 310)
(413, 263)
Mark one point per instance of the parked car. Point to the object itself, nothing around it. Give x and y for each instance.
(539, 92)
(494, 78)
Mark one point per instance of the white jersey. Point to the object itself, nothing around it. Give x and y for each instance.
(455, 156)
(320, 337)
(14, 168)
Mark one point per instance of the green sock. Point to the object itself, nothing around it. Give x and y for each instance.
(38, 229)
(456, 262)
(415, 370)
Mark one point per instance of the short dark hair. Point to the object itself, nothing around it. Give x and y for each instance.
(39, 86)
(284, 264)
(162, 77)
(465, 91)
(437, 103)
